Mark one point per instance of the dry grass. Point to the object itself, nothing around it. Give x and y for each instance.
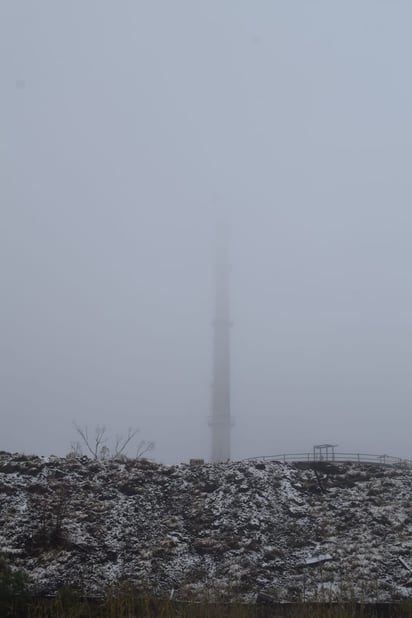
(128, 605)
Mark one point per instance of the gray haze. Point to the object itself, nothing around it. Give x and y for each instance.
(125, 128)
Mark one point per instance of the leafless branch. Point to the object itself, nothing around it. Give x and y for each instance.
(96, 446)
(76, 449)
(121, 442)
(144, 447)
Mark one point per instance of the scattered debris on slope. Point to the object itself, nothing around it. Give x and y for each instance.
(236, 530)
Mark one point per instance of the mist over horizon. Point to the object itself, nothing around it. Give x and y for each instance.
(126, 131)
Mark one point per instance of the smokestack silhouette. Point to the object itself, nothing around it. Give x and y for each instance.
(220, 420)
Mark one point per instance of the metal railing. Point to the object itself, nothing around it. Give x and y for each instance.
(310, 457)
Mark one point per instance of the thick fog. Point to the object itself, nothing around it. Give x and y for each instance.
(126, 128)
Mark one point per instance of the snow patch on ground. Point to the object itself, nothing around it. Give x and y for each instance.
(236, 530)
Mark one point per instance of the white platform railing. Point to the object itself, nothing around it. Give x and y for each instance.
(310, 457)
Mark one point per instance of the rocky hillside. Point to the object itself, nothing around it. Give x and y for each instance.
(235, 530)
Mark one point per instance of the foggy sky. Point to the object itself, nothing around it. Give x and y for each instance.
(125, 128)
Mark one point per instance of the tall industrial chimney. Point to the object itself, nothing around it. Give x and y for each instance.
(220, 419)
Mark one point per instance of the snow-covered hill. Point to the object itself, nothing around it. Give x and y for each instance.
(238, 530)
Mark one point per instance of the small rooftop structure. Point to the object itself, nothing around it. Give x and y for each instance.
(196, 462)
(324, 452)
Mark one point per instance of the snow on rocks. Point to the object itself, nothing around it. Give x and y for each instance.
(236, 530)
